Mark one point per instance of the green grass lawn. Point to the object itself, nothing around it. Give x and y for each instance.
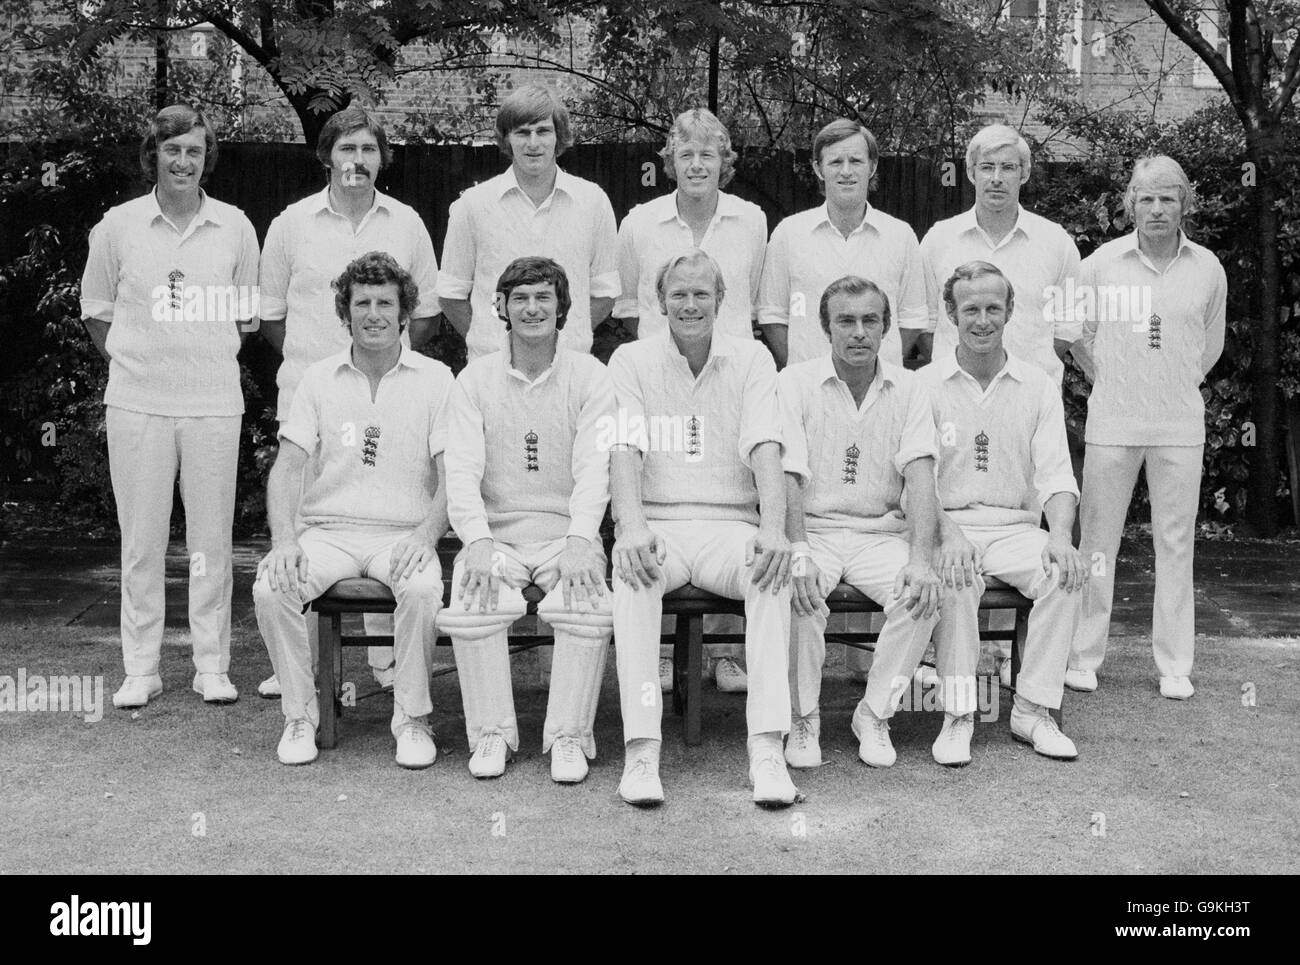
(1207, 785)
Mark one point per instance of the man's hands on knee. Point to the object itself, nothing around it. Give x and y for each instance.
(919, 586)
(411, 555)
(481, 577)
(638, 554)
(285, 567)
(767, 554)
(1073, 571)
(960, 561)
(806, 584)
(582, 572)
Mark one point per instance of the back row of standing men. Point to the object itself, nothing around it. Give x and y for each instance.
(173, 397)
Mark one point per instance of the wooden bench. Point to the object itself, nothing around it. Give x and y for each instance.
(689, 604)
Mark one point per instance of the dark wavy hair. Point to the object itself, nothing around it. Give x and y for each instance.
(534, 271)
(172, 122)
(375, 268)
(354, 118)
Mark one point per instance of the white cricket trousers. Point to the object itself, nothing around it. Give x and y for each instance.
(144, 454)
(338, 553)
(870, 562)
(709, 554)
(481, 643)
(1013, 554)
(1174, 483)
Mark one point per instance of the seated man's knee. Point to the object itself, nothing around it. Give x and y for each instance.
(579, 619)
(476, 624)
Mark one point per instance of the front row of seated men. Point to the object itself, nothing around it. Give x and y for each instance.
(910, 487)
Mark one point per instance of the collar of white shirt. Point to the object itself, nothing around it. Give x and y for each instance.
(720, 346)
(1026, 223)
(870, 219)
(407, 358)
(886, 374)
(207, 212)
(948, 367)
(664, 207)
(509, 363)
(1128, 246)
(563, 182)
(321, 202)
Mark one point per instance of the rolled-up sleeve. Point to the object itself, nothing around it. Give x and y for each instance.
(629, 402)
(590, 493)
(774, 286)
(929, 255)
(760, 410)
(465, 460)
(424, 269)
(1050, 450)
(1088, 309)
(918, 439)
(629, 270)
(247, 271)
(1069, 327)
(273, 279)
(604, 240)
(794, 434)
(441, 413)
(99, 280)
(911, 311)
(456, 279)
(303, 425)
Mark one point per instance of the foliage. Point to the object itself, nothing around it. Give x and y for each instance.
(55, 185)
(913, 72)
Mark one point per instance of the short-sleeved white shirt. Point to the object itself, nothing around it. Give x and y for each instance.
(374, 457)
(852, 458)
(697, 433)
(807, 253)
(493, 223)
(1002, 450)
(654, 232)
(1038, 257)
(307, 246)
(174, 300)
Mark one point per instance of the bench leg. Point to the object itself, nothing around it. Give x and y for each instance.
(695, 675)
(331, 650)
(681, 664)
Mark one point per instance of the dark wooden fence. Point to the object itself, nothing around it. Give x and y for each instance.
(262, 179)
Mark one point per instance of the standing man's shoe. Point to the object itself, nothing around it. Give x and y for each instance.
(216, 688)
(1176, 688)
(269, 688)
(137, 691)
